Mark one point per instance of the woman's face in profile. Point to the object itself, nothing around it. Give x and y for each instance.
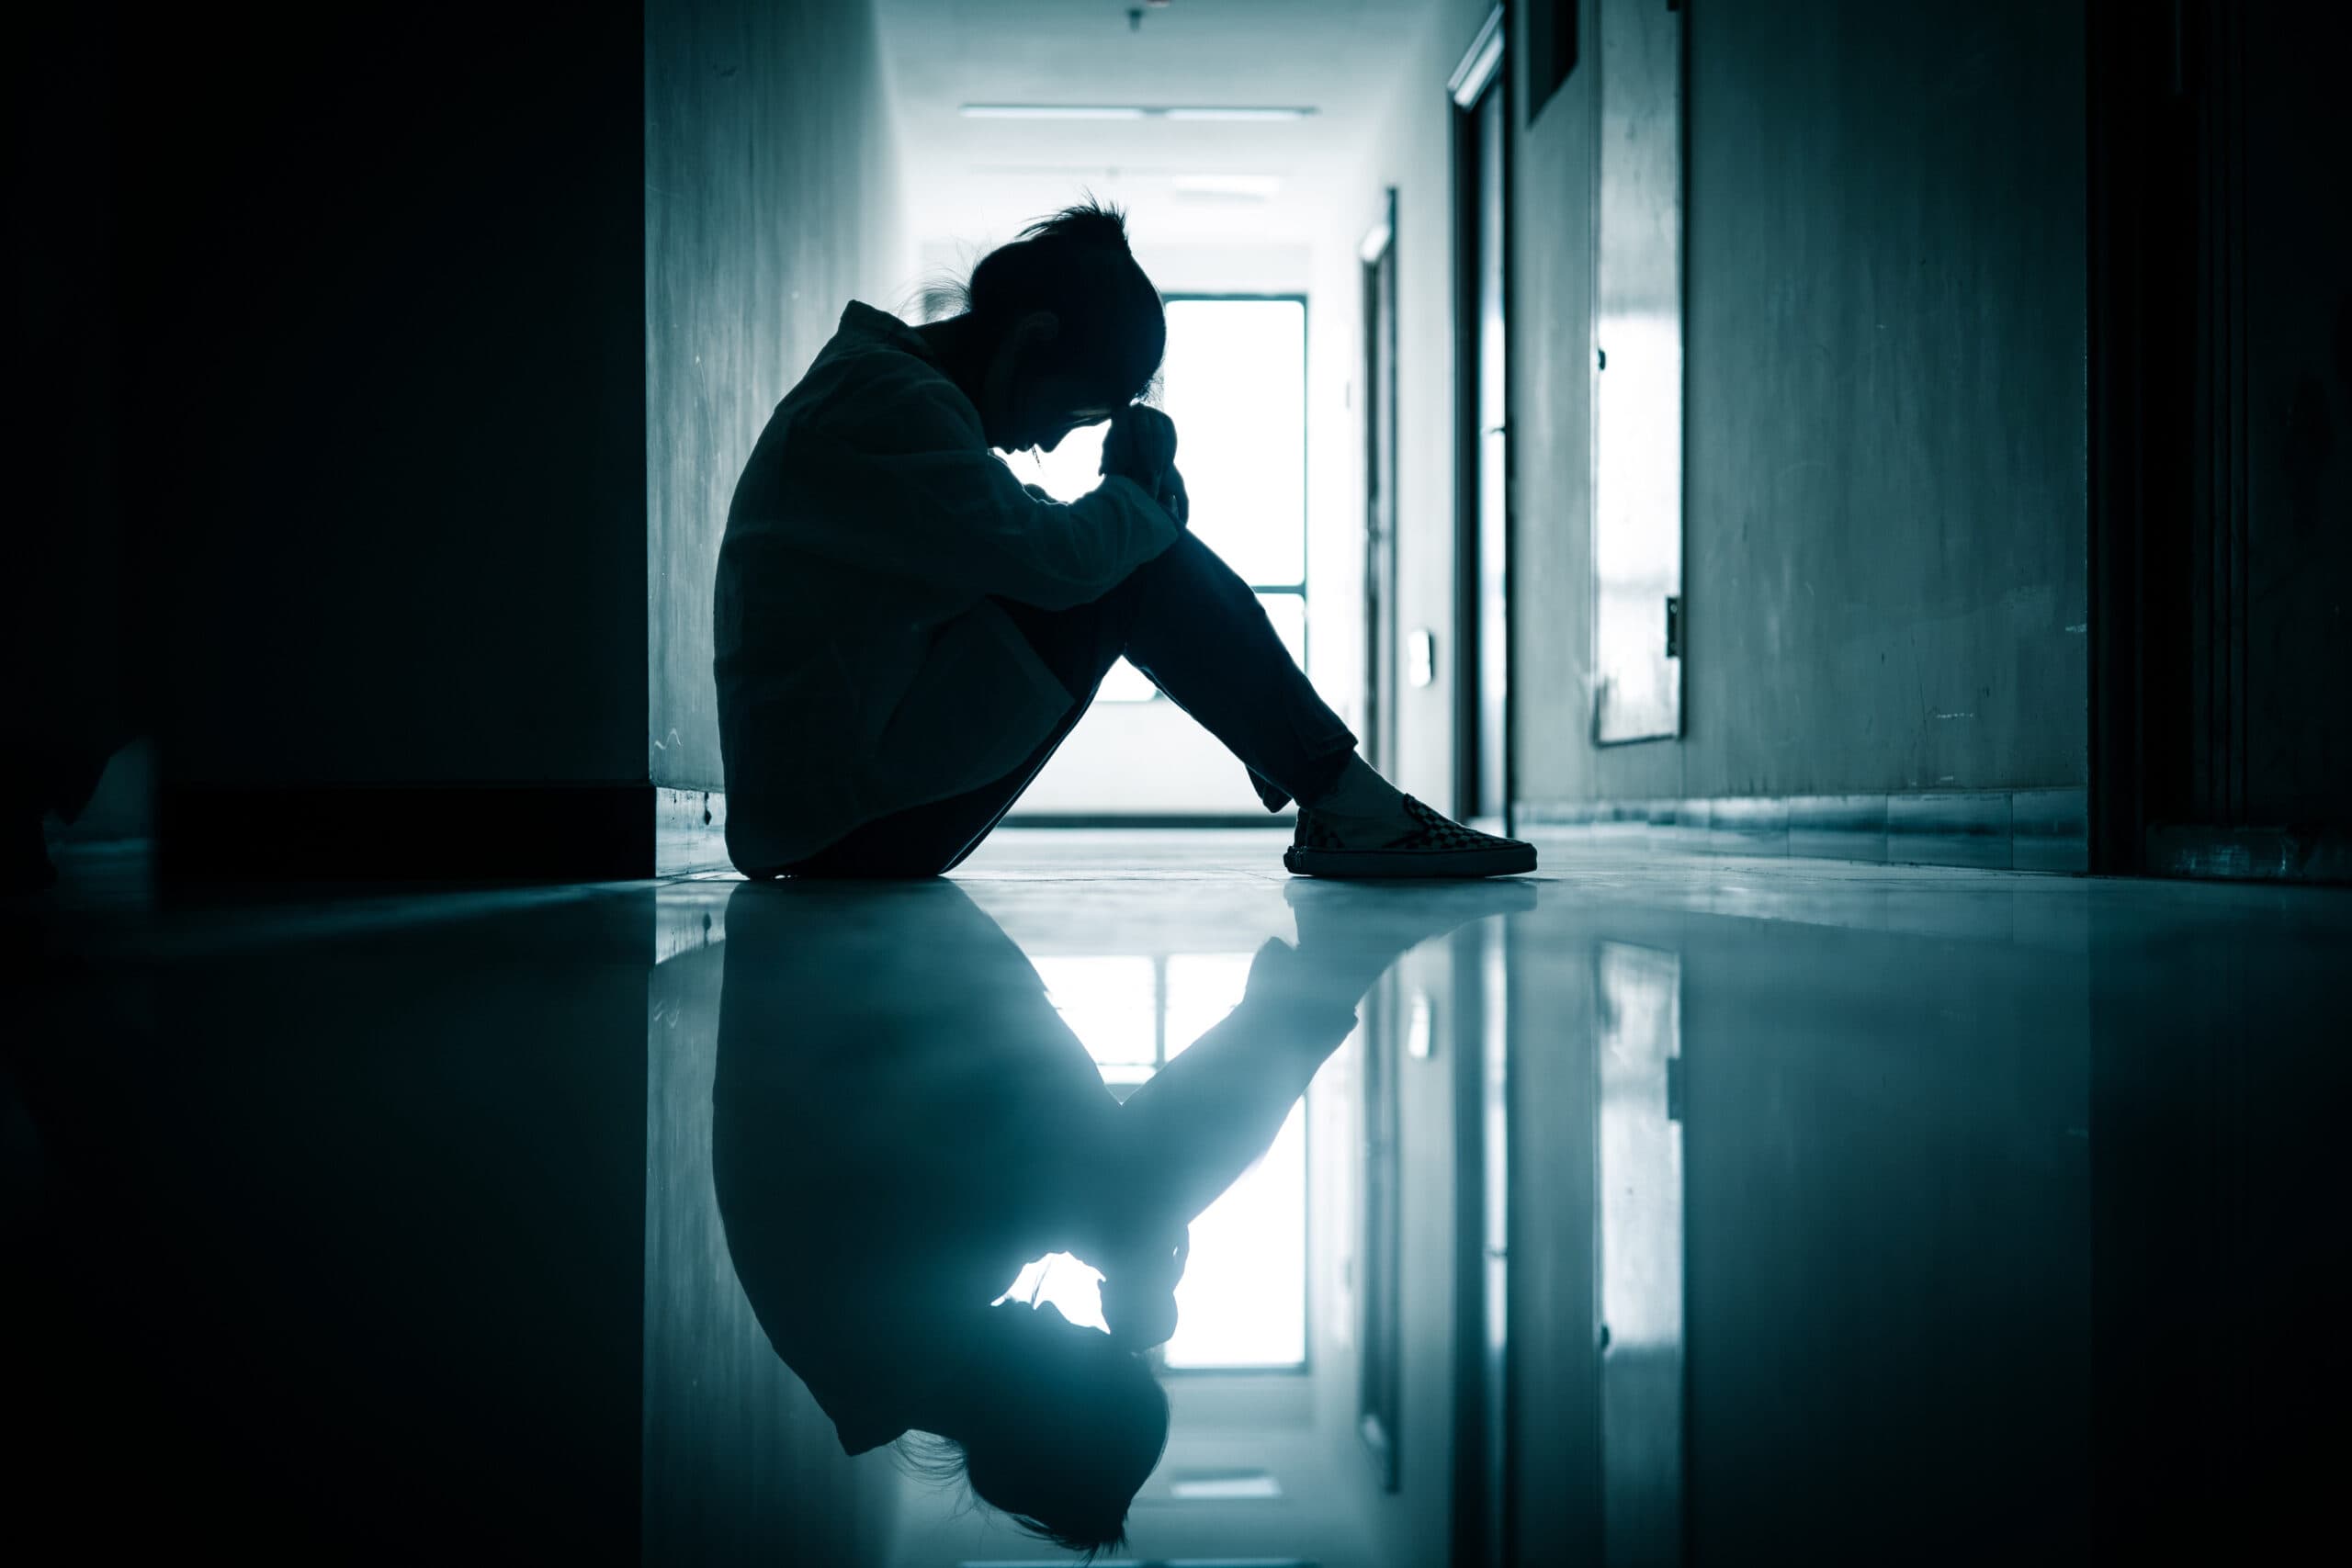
(1048, 408)
(1025, 406)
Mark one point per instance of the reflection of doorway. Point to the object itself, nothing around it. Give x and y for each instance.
(2221, 382)
(1637, 996)
(1482, 593)
(1379, 253)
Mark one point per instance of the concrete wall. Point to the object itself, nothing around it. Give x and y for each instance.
(383, 398)
(2296, 273)
(771, 200)
(1885, 529)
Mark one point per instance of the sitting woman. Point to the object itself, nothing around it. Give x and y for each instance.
(905, 632)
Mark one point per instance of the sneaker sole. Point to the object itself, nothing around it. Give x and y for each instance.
(1364, 865)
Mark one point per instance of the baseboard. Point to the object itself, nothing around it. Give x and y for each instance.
(455, 833)
(2030, 830)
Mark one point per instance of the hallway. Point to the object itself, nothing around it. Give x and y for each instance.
(542, 531)
(1673, 1207)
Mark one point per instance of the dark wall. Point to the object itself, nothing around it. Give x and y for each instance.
(74, 693)
(1884, 536)
(2295, 377)
(771, 200)
(383, 278)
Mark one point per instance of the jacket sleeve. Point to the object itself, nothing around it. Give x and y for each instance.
(897, 477)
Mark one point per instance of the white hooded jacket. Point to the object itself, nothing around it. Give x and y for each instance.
(862, 666)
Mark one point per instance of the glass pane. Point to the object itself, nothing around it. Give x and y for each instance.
(1109, 1003)
(1234, 382)
(1243, 1299)
(1202, 988)
(1288, 612)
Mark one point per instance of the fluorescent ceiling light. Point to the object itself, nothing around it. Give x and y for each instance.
(1237, 113)
(1225, 1488)
(1128, 111)
(1250, 187)
(1052, 111)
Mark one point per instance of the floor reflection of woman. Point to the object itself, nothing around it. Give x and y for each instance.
(902, 1120)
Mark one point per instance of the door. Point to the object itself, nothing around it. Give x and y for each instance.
(2220, 387)
(1482, 583)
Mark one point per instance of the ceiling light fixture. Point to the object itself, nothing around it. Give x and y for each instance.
(1236, 112)
(1051, 111)
(1131, 111)
(1251, 187)
(1224, 1486)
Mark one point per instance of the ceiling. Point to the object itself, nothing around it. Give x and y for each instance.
(975, 181)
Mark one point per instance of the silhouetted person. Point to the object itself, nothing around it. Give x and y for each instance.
(905, 632)
(900, 1126)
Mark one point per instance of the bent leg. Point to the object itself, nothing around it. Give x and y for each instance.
(1187, 621)
(1199, 632)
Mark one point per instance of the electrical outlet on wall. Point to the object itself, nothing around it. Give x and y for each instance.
(1421, 657)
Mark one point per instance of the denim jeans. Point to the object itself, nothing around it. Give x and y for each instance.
(1194, 628)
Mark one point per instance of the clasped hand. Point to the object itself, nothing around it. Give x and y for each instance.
(1141, 446)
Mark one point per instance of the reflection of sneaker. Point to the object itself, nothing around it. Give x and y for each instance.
(1428, 845)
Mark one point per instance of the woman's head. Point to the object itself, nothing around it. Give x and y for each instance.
(1073, 1425)
(1065, 328)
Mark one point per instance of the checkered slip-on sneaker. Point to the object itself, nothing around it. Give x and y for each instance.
(1436, 847)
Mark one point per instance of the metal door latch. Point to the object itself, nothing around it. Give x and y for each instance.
(1674, 626)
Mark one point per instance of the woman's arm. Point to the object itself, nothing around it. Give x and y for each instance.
(1188, 1134)
(902, 481)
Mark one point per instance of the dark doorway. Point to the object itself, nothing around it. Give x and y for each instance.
(2220, 400)
(1481, 581)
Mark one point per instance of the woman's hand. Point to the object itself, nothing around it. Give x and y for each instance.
(1140, 1293)
(1141, 446)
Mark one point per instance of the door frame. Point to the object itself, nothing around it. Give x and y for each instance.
(1481, 70)
(1377, 254)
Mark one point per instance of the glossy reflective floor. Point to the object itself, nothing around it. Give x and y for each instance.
(1646, 1212)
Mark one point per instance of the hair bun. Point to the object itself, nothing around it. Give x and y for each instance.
(1090, 222)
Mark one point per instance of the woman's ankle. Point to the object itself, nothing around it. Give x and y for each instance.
(1359, 791)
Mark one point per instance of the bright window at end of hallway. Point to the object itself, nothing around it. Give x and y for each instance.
(1234, 382)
